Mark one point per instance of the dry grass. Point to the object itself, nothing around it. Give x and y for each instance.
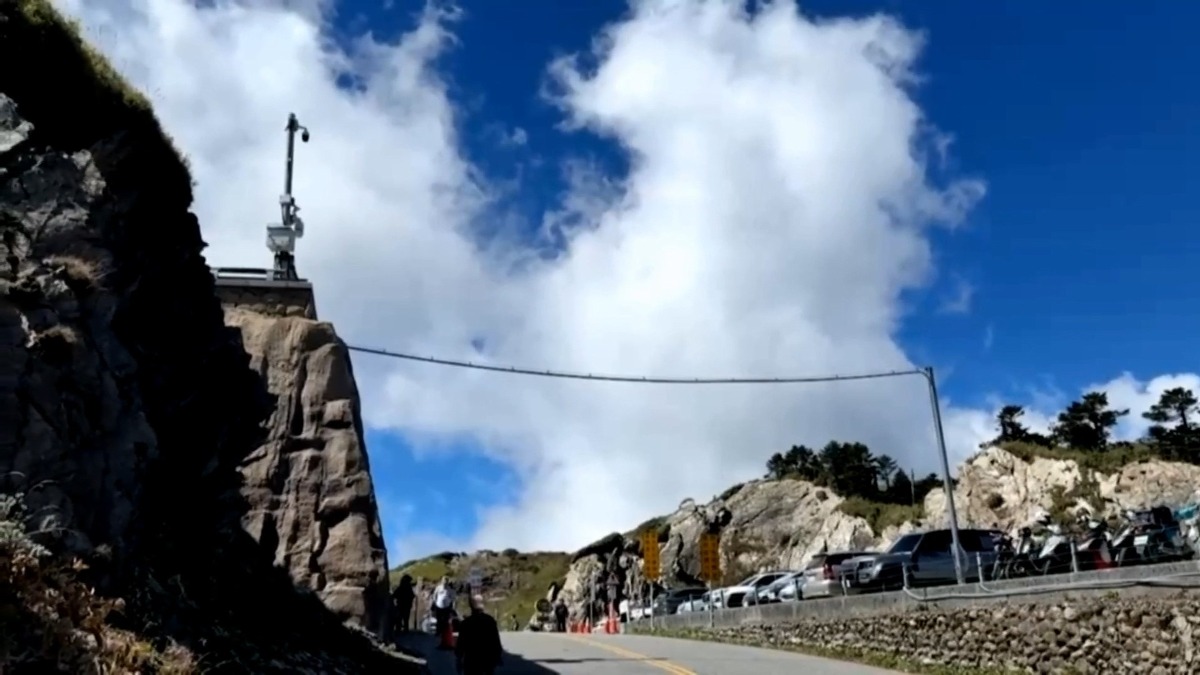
(60, 333)
(1106, 461)
(83, 79)
(43, 14)
(87, 271)
(52, 621)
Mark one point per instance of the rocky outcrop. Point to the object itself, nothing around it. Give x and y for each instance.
(999, 489)
(128, 409)
(308, 486)
(780, 524)
(1092, 636)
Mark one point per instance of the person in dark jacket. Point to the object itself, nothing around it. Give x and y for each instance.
(402, 603)
(478, 649)
(560, 616)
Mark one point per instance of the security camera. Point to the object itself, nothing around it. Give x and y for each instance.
(304, 135)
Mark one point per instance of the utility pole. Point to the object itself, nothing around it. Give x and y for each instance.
(281, 238)
(947, 481)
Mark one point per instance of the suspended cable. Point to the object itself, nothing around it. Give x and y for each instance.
(512, 370)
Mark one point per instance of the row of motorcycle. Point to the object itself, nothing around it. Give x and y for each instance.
(1156, 535)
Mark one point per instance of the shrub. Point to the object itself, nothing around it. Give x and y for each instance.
(51, 620)
(1108, 461)
(880, 515)
(731, 491)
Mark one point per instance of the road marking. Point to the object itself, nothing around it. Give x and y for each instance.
(674, 668)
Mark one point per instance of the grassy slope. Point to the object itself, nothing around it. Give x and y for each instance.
(513, 582)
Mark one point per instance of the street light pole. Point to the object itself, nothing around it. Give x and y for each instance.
(947, 482)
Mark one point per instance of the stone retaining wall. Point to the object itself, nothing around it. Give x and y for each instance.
(1091, 636)
(278, 299)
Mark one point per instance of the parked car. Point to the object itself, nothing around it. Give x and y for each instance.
(735, 596)
(928, 557)
(669, 602)
(822, 574)
(770, 593)
(697, 603)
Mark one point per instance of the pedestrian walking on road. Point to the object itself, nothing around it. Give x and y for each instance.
(478, 651)
(443, 605)
(402, 603)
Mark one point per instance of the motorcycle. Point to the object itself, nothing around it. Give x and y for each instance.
(1054, 556)
(1016, 561)
(1150, 536)
(1093, 552)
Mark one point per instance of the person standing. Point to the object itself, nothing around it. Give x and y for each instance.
(560, 616)
(402, 603)
(478, 651)
(443, 607)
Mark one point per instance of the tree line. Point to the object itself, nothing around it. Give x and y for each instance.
(852, 470)
(1088, 423)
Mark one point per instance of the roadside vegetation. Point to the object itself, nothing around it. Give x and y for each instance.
(51, 621)
(1083, 432)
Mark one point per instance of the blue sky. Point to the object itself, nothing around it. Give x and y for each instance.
(1080, 116)
(710, 241)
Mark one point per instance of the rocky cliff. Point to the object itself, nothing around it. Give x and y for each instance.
(130, 418)
(779, 524)
(308, 486)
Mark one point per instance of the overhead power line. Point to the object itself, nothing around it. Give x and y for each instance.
(512, 370)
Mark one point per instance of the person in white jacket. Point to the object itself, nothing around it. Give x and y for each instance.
(443, 604)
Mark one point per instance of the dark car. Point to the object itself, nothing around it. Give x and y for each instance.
(928, 558)
(669, 602)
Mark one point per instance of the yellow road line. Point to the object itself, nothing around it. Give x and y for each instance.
(673, 668)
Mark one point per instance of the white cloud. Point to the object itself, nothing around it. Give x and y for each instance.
(1127, 392)
(960, 301)
(777, 207)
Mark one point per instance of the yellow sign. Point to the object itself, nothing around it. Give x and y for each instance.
(710, 557)
(651, 561)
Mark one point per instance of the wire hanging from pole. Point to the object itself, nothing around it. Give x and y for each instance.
(512, 370)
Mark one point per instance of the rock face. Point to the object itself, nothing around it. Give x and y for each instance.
(129, 413)
(1089, 637)
(998, 489)
(308, 487)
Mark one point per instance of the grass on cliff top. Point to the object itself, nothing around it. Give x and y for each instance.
(880, 515)
(517, 580)
(878, 659)
(1110, 460)
(74, 94)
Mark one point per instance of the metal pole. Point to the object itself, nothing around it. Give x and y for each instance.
(292, 125)
(946, 480)
(652, 605)
(711, 601)
(591, 602)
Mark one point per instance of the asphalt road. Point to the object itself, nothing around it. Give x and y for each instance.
(557, 654)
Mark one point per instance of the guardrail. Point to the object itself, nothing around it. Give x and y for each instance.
(874, 604)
